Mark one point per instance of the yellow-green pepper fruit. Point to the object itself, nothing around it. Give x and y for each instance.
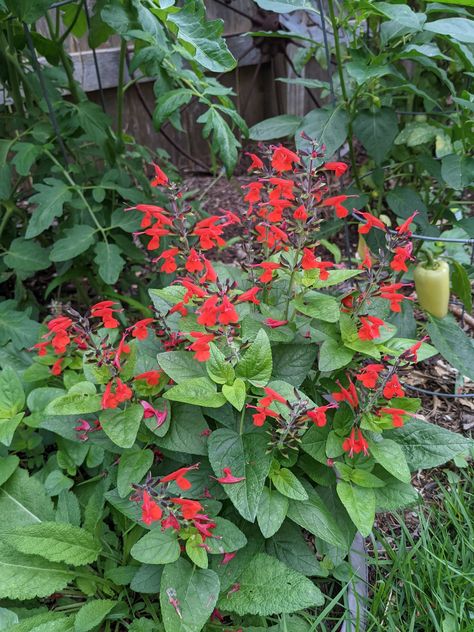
(432, 287)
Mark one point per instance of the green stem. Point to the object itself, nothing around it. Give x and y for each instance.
(65, 61)
(242, 420)
(10, 210)
(120, 90)
(347, 102)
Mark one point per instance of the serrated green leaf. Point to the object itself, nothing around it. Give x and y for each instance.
(52, 195)
(109, 261)
(121, 426)
(314, 516)
(360, 505)
(290, 547)
(226, 537)
(93, 613)
(275, 127)
(133, 466)
(218, 368)
(23, 501)
(180, 366)
(188, 431)
(390, 456)
(256, 364)
(26, 257)
(453, 344)
(74, 404)
(272, 511)
(236, 393)
(77, 240)
(199, 391)
(157, 547)
(288, 484)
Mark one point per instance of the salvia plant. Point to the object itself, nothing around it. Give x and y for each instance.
(208, 465)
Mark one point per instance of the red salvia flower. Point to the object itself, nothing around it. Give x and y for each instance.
(370, 374)
(256, 163)
(283, 159)
(318, 415)
(339, 168)
(404, 229)
(370, 329)
(273, 323)
(370, 222)
(337, 201)
(151, 211)
(189, 508)
(112, 398)
(201, 348)
(250, 296)
(105, 310)
(354, 445)
(210, 275)
(58, 327)
(169, 262)
(270, 397)
(160, 179)
(227, 313)
(193, 262)
(396, 414)
(56, 369)
(152, 378)
(149, 411)
(151, 512)
(393, 388)
(156, 232)
(348, 395)
(300, 213)
(208, 312)
(254, 192)
(140, 328)
(209, 232)
(179, 477)
(268, 267)
(229, 478)
(402, 255)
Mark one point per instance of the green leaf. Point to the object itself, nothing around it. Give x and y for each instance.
(272, 511)
(285, 6)
(360, 505)
(157, 547)
(224, 143)
(236, 393)
(267, 586)
(460, 29)
(314, 516)
(461, 286)
(390, 456)
(247, 456)
(291, 548)
(133, 466)
(121, 426)
(395, 495)
(74, 404)
(8, 465)
(426, 445)
(218, 368)
(314, 443)
(333, 356)
(26, 256)
(326, 126)
(16, 326)
(275, 127)
(26, 10)
(12, 396)
(23, 501)
(187, 433)
(195, 551)
(180, 365)
(256, 364)
(457, 171)
(416, 133)
(195, 593)
(226, 537)
(453, 344)
(199, 391)
(50, 201)
(147, 579)
(168, 103)
(292, 362)
(28, 576)
(202, 37)
(318, 305)
(288, 485)
(92, 614)
(376, 130)
(109, 261)
(78, 239)
(55, 541)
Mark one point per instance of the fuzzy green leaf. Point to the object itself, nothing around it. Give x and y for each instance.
(121, 426)
(256, 364)
(157, 547)
(24, 501)
(360, 505)
(272, 511)
(93, 613)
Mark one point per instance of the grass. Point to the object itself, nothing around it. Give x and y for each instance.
(425, 582)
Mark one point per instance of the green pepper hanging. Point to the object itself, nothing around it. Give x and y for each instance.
(432, 285)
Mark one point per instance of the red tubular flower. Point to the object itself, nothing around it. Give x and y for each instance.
(193, 262)
(58, 327)
(227, 313)
(189, 508)
(151, 512)
(229, 478)
(270, 397)
(393, 388)
(273, 323)
(105, 311)
(254, 192)
(193, 290)
(348, 395)
(160, 179)
(209, 232)
(170, 522)
(42, 348)
(250, 296)
(411, 354)
(151, 211)
(367, 261)
(370, 329)
(402, 255)
(56, 369)
(208, 312)
(339, 168)
(155, 232)
(354, 445)
(337, 201)
(169, 262)
(369, 375)
(283, 189)
(396, 414)
(256, 163)
(201, 348)
(111, 398)
(231, 218)
(179, 477)
(318, 415)
(261, 415)
(370, 222)
(139, 329)
(268, 267)
(149, 411)
(152, 378)
(404, 229)
(210, 275)
(309, 262)
(300, 213)
(283, 159)
(227, 557)
(390, 293)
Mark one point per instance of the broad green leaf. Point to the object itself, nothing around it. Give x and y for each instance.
(157, 547)
(236, 393)
(121, 426)
(285, 6)
(52, 195)
(288, 484)
(109, 261)
(416, 133)
(460, 29)
(74, 404)
(390, 456)
(292, 362)
(202, 38)
(55, 541)
(226, 537)
(256, 364)
(23, 501)
(147, 579)
(133, 466)
(457, 171)
(314, 443)
(195, 551)
(461, 285)
(224, 143)
(28, 576)
(26, 10)
(78, 239)
(17, 327)
(218, 368)
(180, 365)
(26, 257)
(194, 592)
(12, 396)
(314, 516)
(395, 495)
(199, 391)
(426, 445)
(333, 356)
(326, 126)
(168, 103)
(275, 127)
(291, 548)
(453, 344)
(360, 505)
(8, 618)
(188, 431)
(318, 305)
(68, 509)
(376, 130)
(271, 512)
(8, 464)
(247, 456)
(92, 614)
(267, 586)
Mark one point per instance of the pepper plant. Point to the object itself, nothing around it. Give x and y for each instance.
(208, 466)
